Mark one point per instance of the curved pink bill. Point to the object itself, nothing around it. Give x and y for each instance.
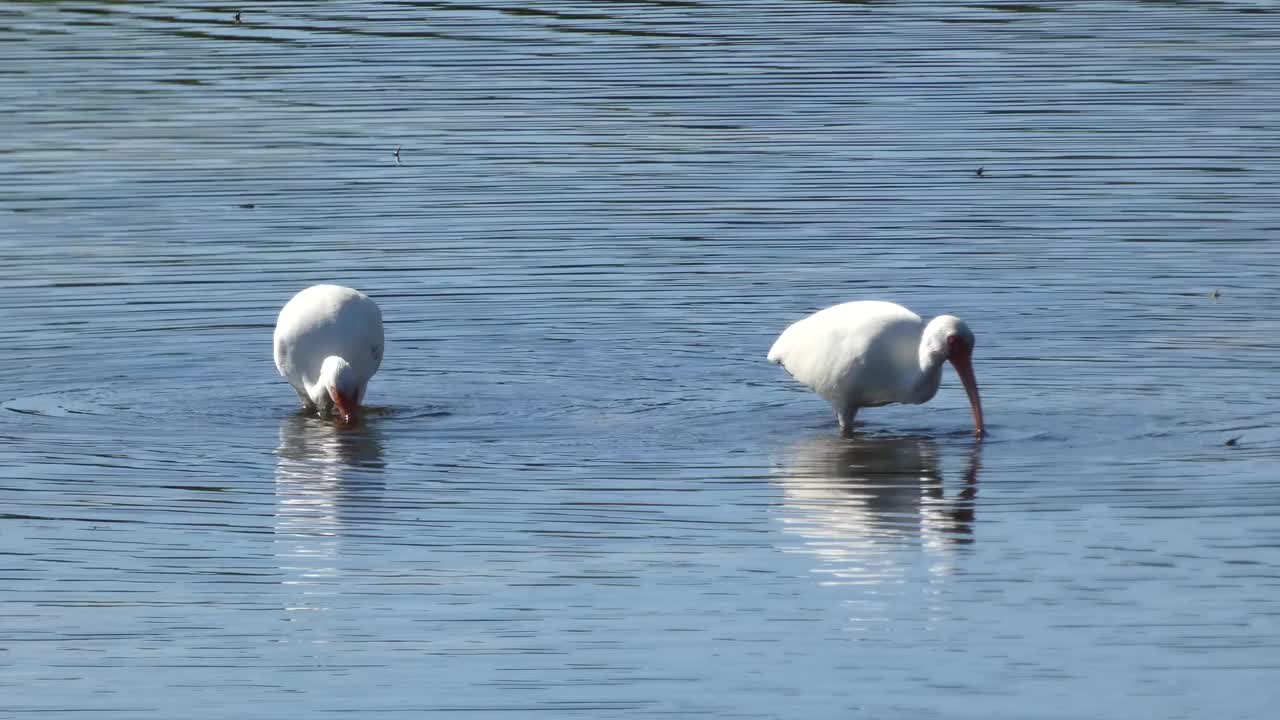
(964, 368)
(347, 407)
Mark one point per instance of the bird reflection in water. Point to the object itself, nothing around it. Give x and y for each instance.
(325, 474)
(861, 503)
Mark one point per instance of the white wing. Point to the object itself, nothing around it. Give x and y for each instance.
(871, 344)
(326, 320)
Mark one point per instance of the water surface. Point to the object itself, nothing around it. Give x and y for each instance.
(584, 491)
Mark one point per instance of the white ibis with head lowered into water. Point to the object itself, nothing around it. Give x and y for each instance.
(870, 353)
(328, 344)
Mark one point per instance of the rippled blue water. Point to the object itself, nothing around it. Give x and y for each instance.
(584, 492)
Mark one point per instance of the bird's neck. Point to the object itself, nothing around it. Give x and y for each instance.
(930, 377)
(319, 395)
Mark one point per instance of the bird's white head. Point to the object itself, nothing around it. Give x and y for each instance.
(949, 338)
(338, 389)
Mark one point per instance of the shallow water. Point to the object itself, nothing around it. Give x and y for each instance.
(584, 492)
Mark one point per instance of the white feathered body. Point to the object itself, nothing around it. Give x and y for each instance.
(324, 321)
(860, 354)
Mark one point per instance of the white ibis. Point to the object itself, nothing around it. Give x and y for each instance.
(328, 344)
(871, 353)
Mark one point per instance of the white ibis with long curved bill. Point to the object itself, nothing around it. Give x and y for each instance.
(328, 344)
(871, 353)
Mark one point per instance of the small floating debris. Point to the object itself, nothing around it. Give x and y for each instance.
(1215, 294)
(1233, 441)
(979, 172)
(248, 206)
